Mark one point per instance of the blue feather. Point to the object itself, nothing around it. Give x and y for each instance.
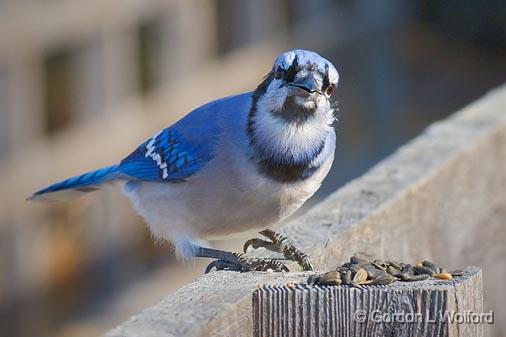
(177, 152)
(173, 154)
(86, 182)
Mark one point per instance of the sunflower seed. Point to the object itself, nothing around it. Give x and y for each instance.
(423, 270)
(430, 265)
(404, 276)
(380, 262)
(408, 268)
(443, 276)
(377, 265)
(380, 274)
(360, 276)
(395, 265)
(392, 271)
(346, 277)
(387, 279)
(355, 268)
(313, 279)
(330, 278)
(355, 259)
(457, 272)
(371, 270)
(420, 277)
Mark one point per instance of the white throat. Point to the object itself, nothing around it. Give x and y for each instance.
(288, 142)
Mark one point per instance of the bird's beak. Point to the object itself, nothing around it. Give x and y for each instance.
(309, 84)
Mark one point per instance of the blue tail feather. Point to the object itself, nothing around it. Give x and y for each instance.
(86, 182)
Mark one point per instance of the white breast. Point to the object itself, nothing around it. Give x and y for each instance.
(228, 197)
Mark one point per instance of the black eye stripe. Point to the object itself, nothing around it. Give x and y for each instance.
(326, 81)
(292, 70)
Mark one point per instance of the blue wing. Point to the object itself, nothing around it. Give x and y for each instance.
(167, 156)
(178, 152)
(172, 155)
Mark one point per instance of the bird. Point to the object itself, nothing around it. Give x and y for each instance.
(232, 167)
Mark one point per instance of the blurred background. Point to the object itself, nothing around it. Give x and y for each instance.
(83, 82)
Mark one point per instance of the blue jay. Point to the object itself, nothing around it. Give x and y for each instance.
(236, 165)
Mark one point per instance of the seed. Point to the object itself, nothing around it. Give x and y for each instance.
(457, 272)
(395, 265)
(392, 271)
(423, 270)
(335, 282)
(408, 268)
(430, 265)
(404, 276)
(360, 271)
(355, 259)
(443, 276)
(384, 280)
(330, 278)
(312, 279)
(381, 263)
(371, 270)
(346, 277)
(355, 268)
(419, 277)
(380, 274)
(377, 265)
(360, 276)
(347, 265)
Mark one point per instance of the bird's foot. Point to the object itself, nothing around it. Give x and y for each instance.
(281, 244)
(242, 263)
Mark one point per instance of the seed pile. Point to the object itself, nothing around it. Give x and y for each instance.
(359, 271)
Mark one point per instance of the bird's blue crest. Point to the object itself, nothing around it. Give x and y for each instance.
(285, 60)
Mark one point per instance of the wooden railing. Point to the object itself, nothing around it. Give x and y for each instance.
(441, 197)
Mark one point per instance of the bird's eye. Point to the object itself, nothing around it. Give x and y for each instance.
(278, 73)
(330, 89)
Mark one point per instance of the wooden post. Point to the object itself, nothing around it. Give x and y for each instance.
(426, 308)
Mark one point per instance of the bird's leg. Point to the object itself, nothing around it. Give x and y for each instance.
(281, 244)
(237, 261)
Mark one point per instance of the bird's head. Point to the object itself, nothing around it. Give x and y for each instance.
(299, 85)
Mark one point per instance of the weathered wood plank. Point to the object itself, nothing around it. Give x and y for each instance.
(217, 304)
(403, 309)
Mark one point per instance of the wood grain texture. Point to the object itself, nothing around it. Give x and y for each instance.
(401, 309)
(217, 304)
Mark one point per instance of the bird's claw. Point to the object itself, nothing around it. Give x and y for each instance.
(243, 264)
(255, 243)
(282, 245)
(222, 265)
